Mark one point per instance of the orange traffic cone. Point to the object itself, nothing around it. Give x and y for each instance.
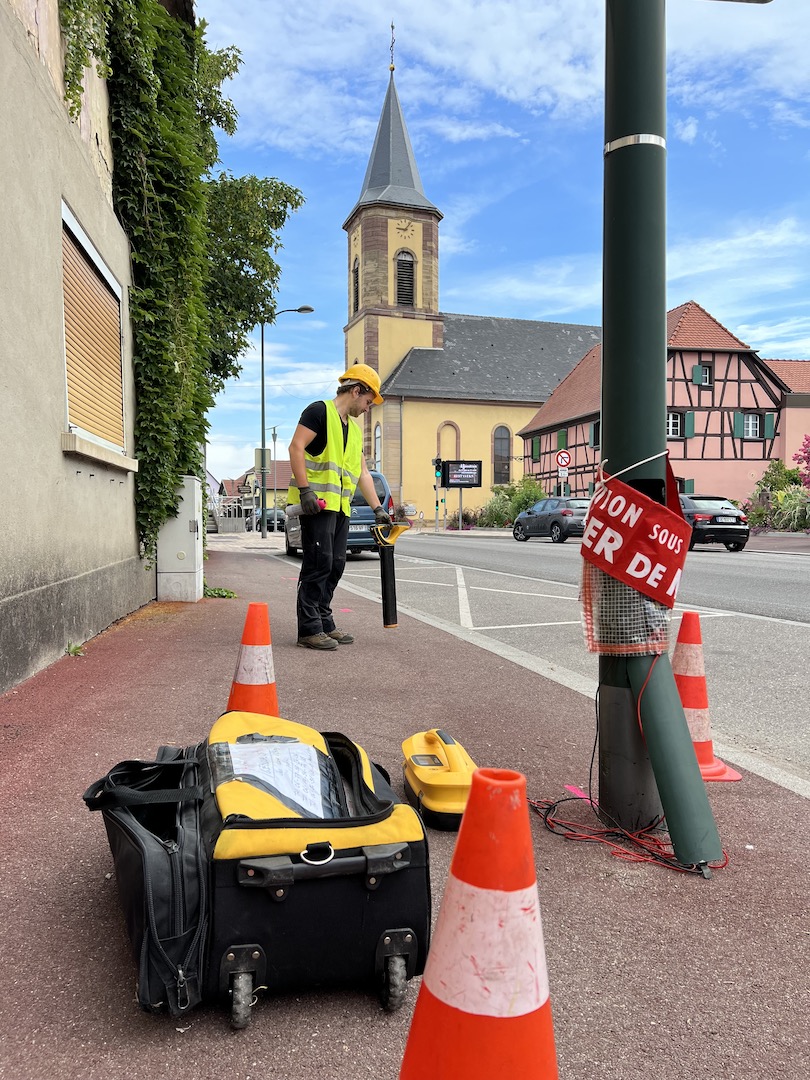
(254, 682)
(690, 678)
(483, 1008)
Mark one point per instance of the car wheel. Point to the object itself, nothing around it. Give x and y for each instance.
(692, 541)
(556, 533)
(288, 548)
(737, 545)
(519, 532)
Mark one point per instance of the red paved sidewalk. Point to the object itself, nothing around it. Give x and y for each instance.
(653, 974)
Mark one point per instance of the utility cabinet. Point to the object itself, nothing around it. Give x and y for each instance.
(180, 547)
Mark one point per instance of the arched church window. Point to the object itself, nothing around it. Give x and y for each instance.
(501, 456)
(377, 448)
(356, 286)
(405, 279)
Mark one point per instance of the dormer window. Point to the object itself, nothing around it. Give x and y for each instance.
(405, 279)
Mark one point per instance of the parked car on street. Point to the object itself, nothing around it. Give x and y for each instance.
(256, 521)
(362, 517)
(557, 517)
(715, 520)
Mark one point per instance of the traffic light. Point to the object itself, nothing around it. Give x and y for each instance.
(437, 467)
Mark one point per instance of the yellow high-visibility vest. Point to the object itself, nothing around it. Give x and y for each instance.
(333, 474)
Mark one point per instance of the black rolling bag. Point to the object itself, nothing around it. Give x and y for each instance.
(152, 814)
(319, 873)
(271, 857)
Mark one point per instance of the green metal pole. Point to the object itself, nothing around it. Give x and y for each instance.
(640, 775)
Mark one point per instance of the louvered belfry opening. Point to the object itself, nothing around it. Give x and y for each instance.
(405, 279)
(356, 287)
(92, 347)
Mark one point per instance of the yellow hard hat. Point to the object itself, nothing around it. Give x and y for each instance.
(364, 374)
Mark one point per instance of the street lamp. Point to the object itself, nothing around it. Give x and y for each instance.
(633, 411)
(305, 309)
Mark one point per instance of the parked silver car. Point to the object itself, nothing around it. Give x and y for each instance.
(558, 518)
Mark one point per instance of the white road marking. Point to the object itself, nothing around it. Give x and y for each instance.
(464, 613)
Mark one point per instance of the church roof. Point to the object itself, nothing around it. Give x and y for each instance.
(392, 176)
(485, 358)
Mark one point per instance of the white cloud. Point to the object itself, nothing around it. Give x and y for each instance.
(686, 130)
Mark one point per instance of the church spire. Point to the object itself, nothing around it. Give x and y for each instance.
(392, 176)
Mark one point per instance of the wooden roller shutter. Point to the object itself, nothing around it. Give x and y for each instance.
(92, 348)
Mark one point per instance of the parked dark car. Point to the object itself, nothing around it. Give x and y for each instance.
(715, 520)
(362, 517)
(256, 521)
(558, 518)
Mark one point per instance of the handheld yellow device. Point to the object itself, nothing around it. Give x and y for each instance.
(437, 772)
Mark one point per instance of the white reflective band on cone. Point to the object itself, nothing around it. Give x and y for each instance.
(487, 954)
(690, 660)
(255, 665)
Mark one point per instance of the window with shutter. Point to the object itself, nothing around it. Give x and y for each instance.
(536, 448)
(562, 440)
(405, 279)
(752, 426)
(92, 314)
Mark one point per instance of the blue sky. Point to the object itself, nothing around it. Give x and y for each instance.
(504, 106)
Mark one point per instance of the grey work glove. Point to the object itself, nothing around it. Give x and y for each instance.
(309, 502)
(380, 516)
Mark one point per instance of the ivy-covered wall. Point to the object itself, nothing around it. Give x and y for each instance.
(194, 299)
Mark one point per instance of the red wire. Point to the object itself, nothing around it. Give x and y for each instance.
(654, 849)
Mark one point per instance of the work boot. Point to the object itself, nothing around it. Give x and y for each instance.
(340, 637)
(317, 641)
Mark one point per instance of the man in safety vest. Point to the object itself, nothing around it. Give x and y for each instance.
(326, 457)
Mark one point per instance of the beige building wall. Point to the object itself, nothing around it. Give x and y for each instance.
(69, 561)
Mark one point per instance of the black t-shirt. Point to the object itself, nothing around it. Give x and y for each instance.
(314, 418)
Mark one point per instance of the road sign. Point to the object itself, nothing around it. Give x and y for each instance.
(563, 459)
(562, 473)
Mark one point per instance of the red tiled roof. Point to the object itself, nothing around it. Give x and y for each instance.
(691, 327)
(579, 394)
(283, 473)
(795, 374)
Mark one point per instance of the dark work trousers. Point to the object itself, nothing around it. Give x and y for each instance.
(323, 544)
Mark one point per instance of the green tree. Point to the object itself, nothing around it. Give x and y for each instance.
(203, 272)
(777, 477)
(245, 216)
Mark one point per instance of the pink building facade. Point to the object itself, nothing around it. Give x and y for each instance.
(729, 413)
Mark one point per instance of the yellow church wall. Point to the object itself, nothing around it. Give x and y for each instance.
(354, 344)
(397, 336)
(456, 432)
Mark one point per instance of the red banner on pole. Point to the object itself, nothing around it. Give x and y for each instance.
(636, 540)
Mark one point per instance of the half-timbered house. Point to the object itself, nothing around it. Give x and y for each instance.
(729, 413)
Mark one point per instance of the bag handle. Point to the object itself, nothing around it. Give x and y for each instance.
(102, 796)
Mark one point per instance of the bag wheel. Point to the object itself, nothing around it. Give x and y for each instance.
(241, 998)
(394, 983)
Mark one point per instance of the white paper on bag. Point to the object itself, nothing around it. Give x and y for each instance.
(291, 768)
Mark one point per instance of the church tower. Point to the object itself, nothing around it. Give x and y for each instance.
(392, 273)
